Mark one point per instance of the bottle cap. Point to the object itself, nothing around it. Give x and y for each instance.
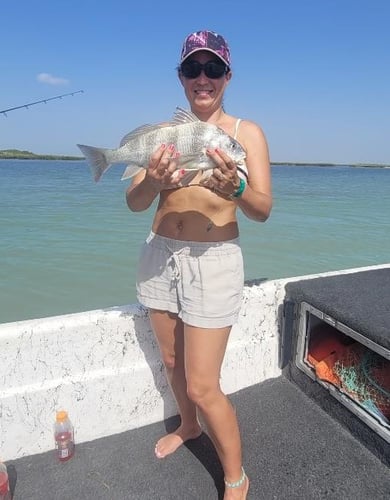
(61, 416)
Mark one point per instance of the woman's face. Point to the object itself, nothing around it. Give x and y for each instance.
(204, 94)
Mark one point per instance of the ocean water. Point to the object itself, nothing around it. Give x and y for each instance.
(69, 245)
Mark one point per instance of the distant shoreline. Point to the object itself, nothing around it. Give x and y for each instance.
(16, 154)
(323, 164)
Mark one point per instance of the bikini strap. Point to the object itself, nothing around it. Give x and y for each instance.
(236, 128)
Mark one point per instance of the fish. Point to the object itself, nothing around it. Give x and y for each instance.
(191, 137)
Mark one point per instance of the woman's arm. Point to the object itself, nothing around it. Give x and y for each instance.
(141, 193)
(256, 200)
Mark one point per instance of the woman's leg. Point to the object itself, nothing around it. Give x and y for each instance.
(168, 329)
(204, 352)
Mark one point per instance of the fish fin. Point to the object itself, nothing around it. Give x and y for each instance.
(130, 171)
(182, 116)
(188, 177)
(97, 160)
(143, 129)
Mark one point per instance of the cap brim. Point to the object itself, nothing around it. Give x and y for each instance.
(198, 49)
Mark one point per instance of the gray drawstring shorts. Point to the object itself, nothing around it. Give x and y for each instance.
(202, 282)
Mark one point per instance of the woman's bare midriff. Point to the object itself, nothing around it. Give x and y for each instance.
(209, 217)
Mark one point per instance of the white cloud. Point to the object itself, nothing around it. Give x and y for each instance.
(51, 80)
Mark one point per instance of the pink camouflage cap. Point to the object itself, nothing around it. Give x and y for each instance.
(206, 40)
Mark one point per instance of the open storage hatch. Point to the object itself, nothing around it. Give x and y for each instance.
(353, 368)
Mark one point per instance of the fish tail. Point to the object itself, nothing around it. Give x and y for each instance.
(96, 158)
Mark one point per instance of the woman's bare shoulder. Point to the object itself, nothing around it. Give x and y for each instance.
(250, 134)
(251, 127)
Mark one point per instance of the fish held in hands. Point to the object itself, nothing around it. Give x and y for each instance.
(191, 137)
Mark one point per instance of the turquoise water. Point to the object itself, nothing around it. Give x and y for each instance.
(69, 245)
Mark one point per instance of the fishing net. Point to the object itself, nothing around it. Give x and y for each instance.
(365, 376)
(353, 368)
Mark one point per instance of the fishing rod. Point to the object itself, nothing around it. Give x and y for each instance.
(5, 111)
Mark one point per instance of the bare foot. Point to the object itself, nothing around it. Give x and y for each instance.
(239, 493)
(171, 442)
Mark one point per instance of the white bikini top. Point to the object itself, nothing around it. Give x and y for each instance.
(236, 128)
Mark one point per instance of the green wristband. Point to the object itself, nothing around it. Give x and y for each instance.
(238, 192)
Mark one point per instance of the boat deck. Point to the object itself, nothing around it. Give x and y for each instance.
(293, 449)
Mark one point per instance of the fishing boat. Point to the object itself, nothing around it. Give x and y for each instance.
(305, 434)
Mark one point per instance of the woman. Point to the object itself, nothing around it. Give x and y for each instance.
(190, 275)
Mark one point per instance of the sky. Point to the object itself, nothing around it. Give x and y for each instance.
(314, 74)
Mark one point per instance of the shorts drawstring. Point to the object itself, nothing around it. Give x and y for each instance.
(175, 262)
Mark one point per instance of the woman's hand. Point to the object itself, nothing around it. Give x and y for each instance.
(162, 170)
(224, 178)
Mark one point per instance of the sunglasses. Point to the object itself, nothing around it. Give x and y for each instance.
(212, 69)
